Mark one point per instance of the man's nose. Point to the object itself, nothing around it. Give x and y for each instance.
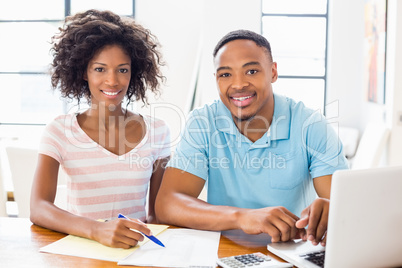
(239, 82)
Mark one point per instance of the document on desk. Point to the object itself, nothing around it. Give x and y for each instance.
(183, 248)
(81, 247)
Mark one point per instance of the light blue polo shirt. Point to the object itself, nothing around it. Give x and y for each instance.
(276, 170)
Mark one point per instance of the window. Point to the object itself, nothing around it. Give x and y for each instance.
(297, 32)
(26, 29)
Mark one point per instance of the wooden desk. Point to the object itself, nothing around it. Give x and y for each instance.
(20, 241)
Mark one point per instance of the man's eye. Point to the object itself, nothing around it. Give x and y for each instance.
(252, 72)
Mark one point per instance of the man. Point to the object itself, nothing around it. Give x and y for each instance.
(265, 158)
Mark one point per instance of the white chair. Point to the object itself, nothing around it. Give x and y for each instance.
(350, 139)
(371, 147)
(3, 195)
(22, 163)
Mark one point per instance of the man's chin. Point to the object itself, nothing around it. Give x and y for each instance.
(242, 117)
(242, 114)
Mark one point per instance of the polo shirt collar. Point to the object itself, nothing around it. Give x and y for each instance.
(280, 123)
(224, 120)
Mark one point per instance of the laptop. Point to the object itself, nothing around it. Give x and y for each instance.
(364, 225)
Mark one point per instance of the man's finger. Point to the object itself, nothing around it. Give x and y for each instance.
(302, 223)
(314, 219)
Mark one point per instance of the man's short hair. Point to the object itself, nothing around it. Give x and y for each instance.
(247, 35)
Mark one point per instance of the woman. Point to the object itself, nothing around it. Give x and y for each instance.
(109, 153)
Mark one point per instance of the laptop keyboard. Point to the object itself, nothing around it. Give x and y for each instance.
(315, 257)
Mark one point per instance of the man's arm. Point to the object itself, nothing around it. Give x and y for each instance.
(177, 204)
(316, 215)
(325, 152)
(322, 186)
(154, 185)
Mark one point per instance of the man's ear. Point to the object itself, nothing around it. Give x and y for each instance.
(274, 72)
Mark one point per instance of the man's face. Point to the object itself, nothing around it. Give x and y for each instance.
(244, 73)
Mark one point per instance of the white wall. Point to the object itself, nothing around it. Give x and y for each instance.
(346, 66)
(394, 81)
(346, 71)
(177, 25)
(345, 60)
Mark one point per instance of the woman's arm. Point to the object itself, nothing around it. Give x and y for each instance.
(44, 213)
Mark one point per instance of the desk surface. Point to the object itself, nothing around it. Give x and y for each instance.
(20, 241)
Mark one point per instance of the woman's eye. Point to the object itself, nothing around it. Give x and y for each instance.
(124, 71)
(99, 69)
(224, 75)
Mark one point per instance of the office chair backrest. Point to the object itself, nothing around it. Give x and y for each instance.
(371, 146)
(3, 195)
(23, 163)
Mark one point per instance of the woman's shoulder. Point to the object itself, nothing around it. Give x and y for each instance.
(63, 120)
(154, 122)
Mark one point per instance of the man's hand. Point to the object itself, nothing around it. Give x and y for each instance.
(315, 217)
(278, 222)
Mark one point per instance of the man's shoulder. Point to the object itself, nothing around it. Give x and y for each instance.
(298, 110)
(295, 105)
(208, 113)
(207, 109)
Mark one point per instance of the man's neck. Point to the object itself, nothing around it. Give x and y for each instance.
(255, 127)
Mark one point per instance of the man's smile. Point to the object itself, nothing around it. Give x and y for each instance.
(242, 100)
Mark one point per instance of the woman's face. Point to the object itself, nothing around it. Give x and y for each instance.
(108, 75)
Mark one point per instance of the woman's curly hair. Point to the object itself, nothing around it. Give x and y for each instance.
(84, 34)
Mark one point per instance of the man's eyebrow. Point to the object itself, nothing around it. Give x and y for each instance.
(244, 65)
(223, 68)
(251, 63)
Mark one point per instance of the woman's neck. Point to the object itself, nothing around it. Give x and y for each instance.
(106, 116)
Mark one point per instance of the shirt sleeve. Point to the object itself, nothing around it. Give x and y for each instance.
(51, 143)
(324, 148)
(191, 153)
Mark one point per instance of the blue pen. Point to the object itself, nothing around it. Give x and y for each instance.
(151, 237)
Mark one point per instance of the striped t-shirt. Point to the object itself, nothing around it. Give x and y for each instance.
(100, 184)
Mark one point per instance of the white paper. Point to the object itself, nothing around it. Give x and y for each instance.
(183, 248)
(82, 247)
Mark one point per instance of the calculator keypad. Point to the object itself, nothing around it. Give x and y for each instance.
(248, 260)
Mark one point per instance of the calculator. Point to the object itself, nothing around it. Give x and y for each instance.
(253, 260)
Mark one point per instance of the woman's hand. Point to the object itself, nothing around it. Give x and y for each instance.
(120, 233)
